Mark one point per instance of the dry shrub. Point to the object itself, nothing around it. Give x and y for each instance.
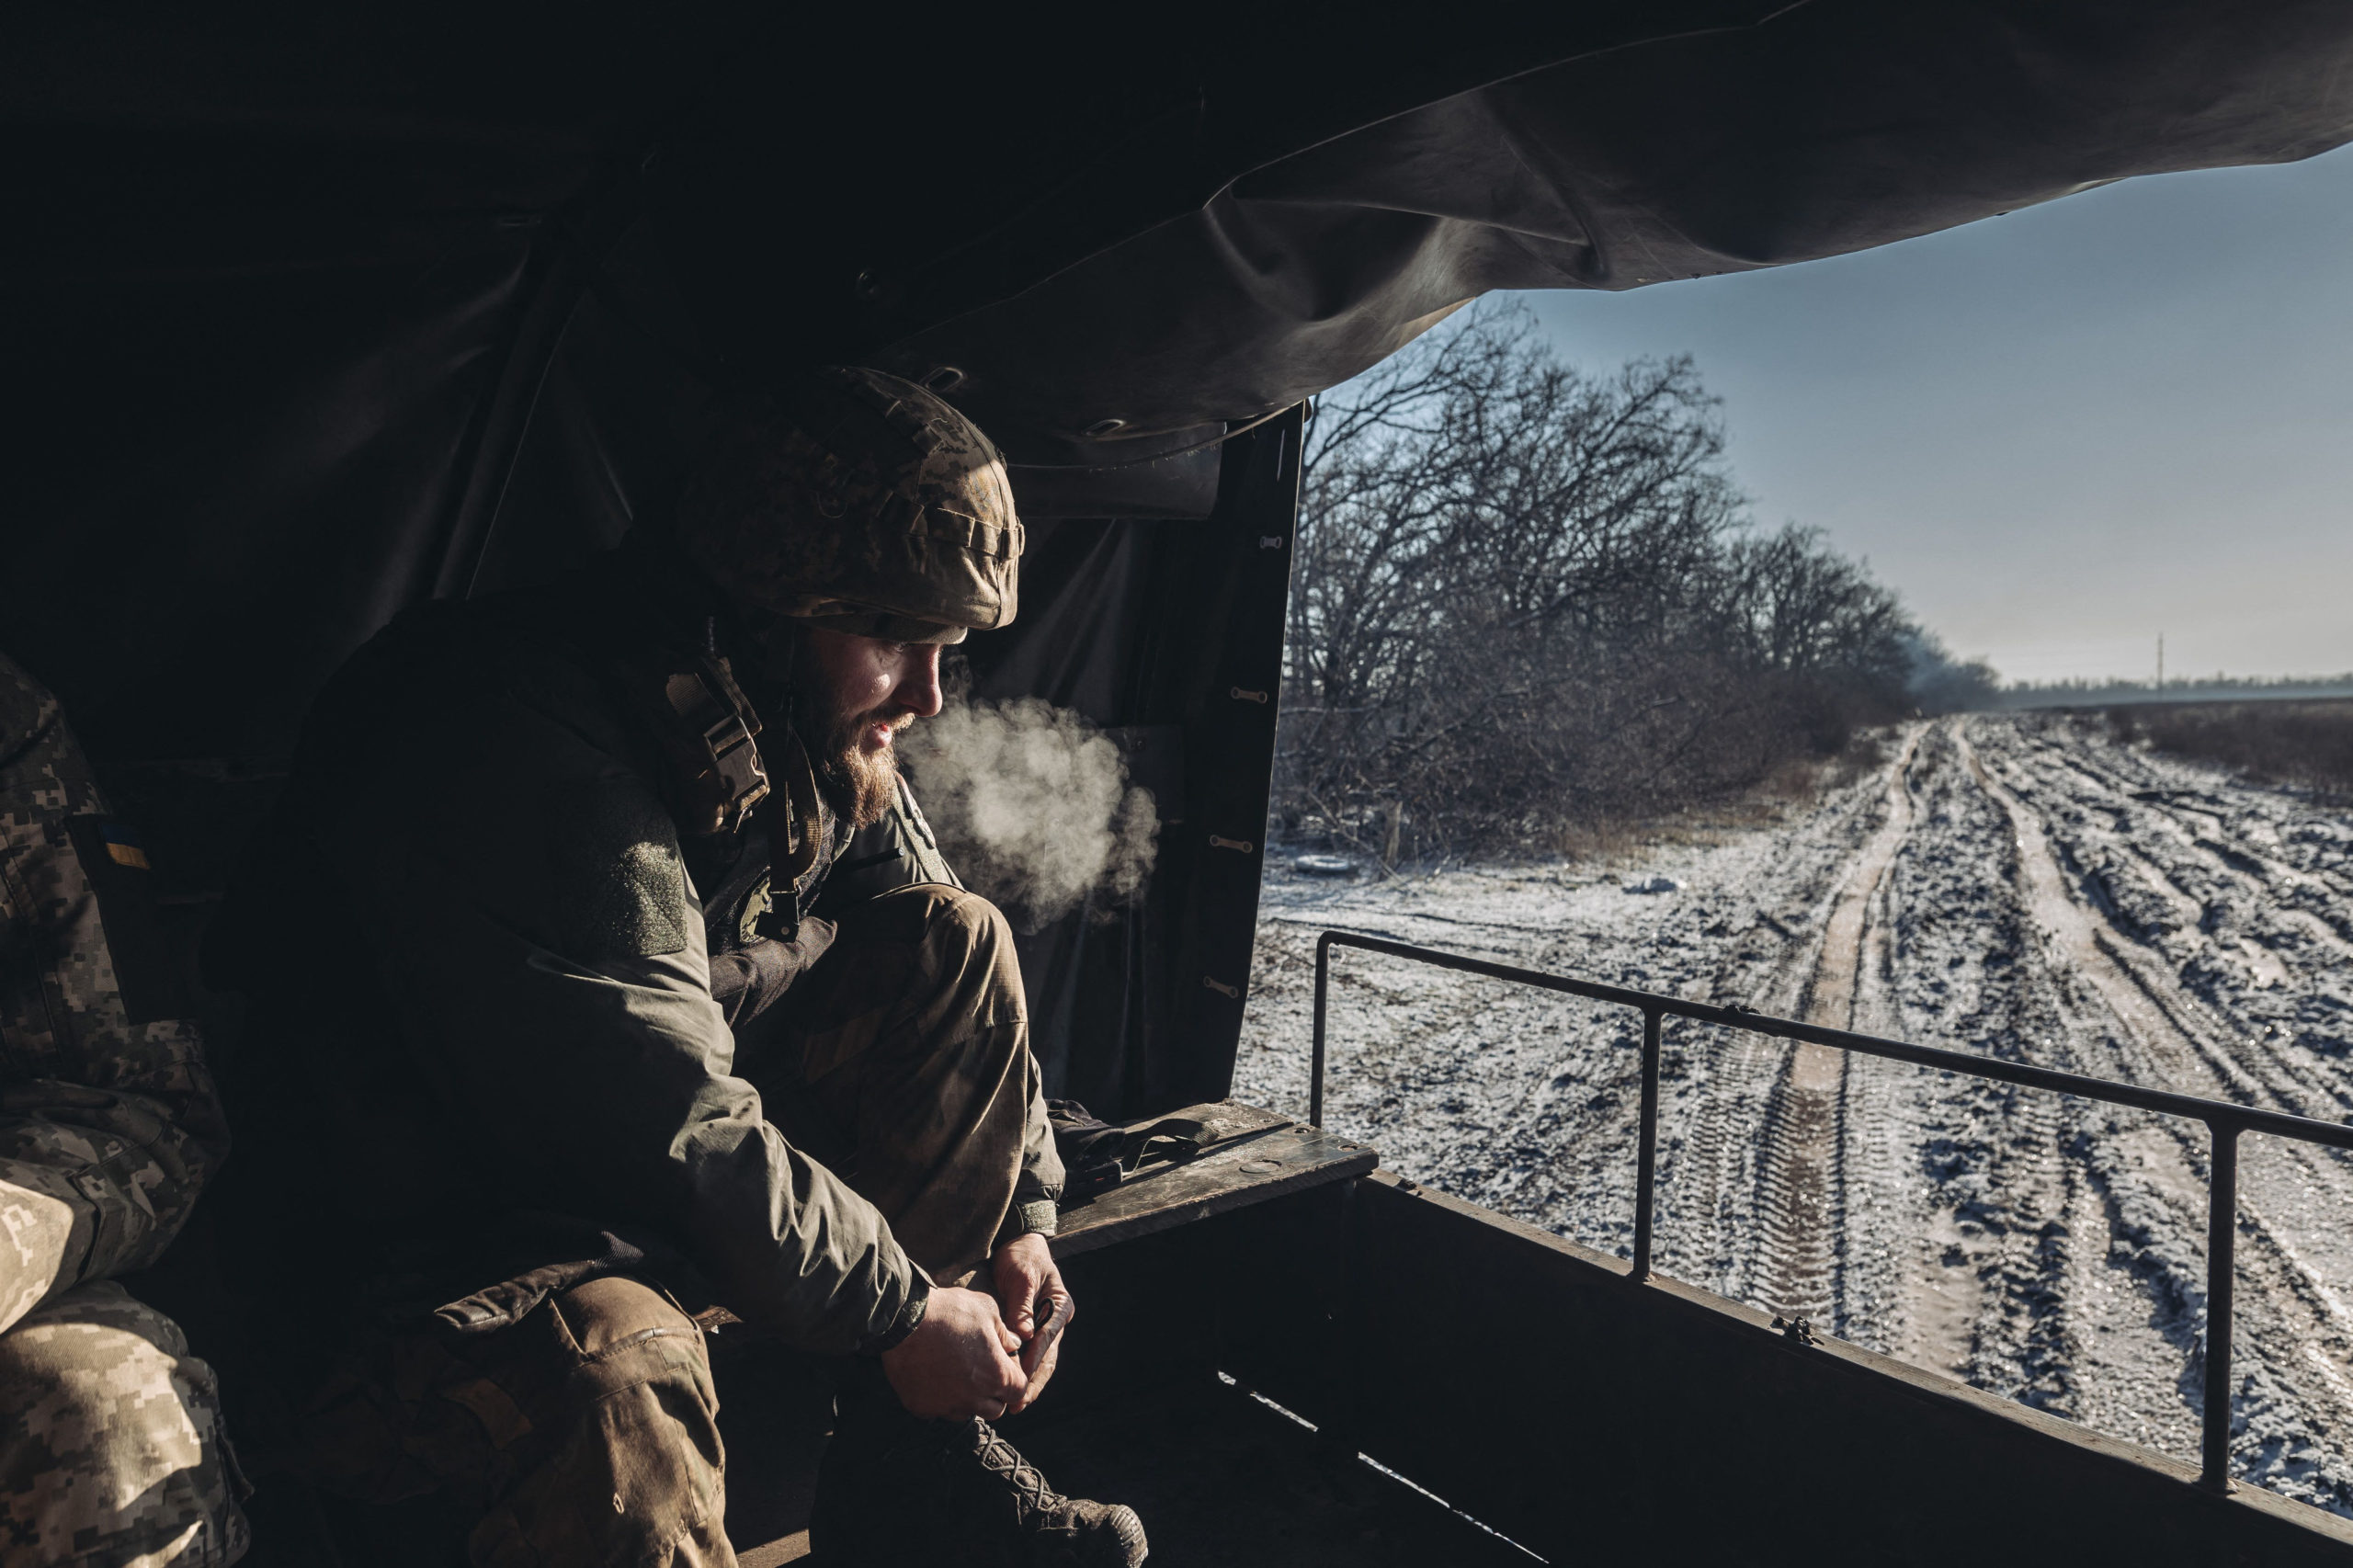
(2306, 745)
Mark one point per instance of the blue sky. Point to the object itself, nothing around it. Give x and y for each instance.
(2059, 432)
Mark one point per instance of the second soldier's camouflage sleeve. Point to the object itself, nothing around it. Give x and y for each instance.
(108, 1120)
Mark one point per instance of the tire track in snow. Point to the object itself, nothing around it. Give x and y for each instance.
(2301, 1375)
(1959, 1255)
(1802, 1198)
(2154, 955)
(2042, 1248)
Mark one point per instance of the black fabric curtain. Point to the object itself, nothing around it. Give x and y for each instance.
(307, 322)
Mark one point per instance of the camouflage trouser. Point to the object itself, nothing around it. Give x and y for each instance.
(587, 1432)
(110, 1447)
(902, 1062)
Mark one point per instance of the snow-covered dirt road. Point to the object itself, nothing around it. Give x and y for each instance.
(2019, 886)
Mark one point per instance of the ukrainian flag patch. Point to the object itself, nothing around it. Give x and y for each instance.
(122, 845)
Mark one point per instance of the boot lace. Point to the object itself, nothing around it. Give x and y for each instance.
(1031, 1495)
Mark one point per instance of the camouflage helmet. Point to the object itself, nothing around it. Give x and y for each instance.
(861, 502)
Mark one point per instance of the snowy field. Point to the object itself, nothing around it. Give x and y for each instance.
(2019, 886)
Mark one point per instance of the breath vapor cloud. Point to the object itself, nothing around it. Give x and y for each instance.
(1033, 808)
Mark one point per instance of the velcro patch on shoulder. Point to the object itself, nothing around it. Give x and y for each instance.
(614, 854)
(114, 861)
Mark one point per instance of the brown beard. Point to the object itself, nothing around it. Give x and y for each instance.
(859, 787)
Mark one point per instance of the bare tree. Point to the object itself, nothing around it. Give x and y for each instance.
(1527, 599)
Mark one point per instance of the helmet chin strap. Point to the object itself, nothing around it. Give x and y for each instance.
(772, 668)
(781, 643)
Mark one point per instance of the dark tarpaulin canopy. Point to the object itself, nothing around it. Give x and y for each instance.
(312, 315)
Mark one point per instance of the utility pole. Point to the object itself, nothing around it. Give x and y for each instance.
(2161, 663)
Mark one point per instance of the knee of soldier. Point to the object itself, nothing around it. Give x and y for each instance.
(616, 1309)
(101, 1384)
(968, 948)
(954, 930)
(631, 1468)
(964, 922)
(624, 1333)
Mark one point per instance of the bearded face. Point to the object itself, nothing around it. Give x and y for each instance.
(859, 779)
(851, 696)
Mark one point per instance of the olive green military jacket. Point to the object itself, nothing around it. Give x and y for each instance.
(492, 1006)
(109, 1121)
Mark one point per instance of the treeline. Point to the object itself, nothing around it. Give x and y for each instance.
(2081, 693)
(1529, 602)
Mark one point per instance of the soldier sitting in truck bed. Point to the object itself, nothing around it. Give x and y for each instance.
(554, 1052)
(110, 1443)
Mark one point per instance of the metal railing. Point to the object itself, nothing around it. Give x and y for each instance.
(2224, 1121)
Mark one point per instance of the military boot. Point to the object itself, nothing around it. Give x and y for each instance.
(1061, 1532)
(895, 1492)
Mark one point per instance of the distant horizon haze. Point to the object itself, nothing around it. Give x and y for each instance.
(2061, 432)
